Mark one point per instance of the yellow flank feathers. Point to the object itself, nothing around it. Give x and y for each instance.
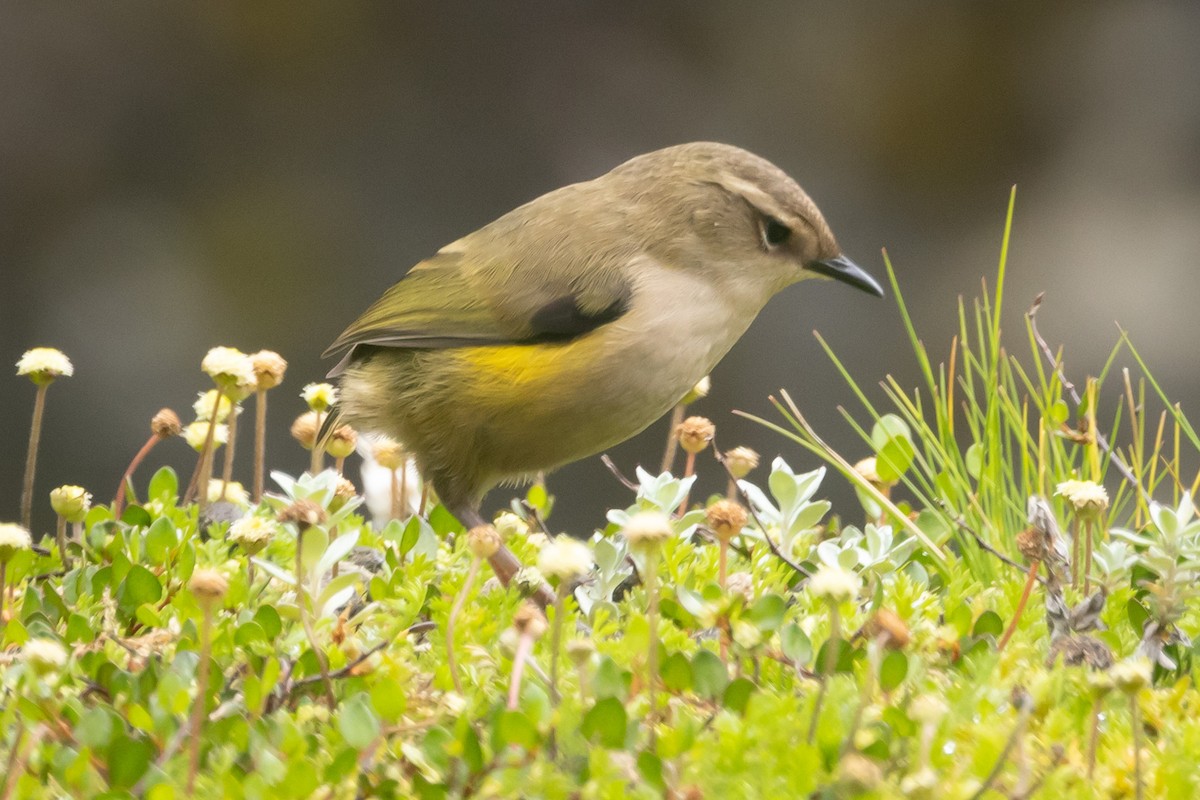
(521, 367)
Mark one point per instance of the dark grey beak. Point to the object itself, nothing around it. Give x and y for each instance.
(843, 269)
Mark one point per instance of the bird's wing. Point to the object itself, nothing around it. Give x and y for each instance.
(447, 302)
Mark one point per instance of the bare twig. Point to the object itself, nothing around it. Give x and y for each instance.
(766, 536)
(979, 540)
(608, 462)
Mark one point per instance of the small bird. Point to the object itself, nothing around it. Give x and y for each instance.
(573, 322)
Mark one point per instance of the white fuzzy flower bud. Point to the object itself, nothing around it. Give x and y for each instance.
(565, 559)
(13, 538)
(834, 584)
(44, 364)
(319, 396)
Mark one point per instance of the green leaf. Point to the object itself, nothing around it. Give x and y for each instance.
(888, 428)
(357, 721)
(676, 672)
(974, 460)
(796, 644)
(610, 679)
(388, 700)
(161, 539)
(164, 486)
(514, 728)
(989, 622)
(606, 722)
(651, 768)
(268, 618)
(95, 727)
(709, 674)
(894, 459)
(767, 612)
(1137, 615)
(128, 759)
(136, 516)
(313, 543)
(140, 586)
(892, 670)
(737, 695)
(248, 633)
(1058, 413)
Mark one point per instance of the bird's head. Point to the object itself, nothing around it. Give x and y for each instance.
(736, 216)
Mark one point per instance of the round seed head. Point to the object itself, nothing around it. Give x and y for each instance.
(726, 519)
(208, 585)
(166, 424)
(741, 461)
(305, 429)
(695, 434)
(268, 367)
(483, 540)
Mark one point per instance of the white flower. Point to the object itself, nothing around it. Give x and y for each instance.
(44, 364)
(252, 532)
(927, 709)
(197, 432)
(71, 502)
(1088, 498)
(565, 558)
(834, 584)
(13, 538)
(230, 368)
(44, 655)
(1132, 674)
(319, 396)
(231, 492)
(647, 528)
(205, 402)
(509, 524)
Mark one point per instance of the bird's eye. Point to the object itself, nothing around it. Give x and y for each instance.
(774, 232)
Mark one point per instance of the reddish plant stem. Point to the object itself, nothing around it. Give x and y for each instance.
(119, 502)
(1012, 626)
(260, 442)
(35, 436)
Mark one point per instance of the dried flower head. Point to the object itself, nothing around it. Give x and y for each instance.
(252, 533)
(165, 424)
(13, 538)
(304, 513)
(509, 524)
(72, 503)
(726, 518)
(695, 434)
(44, 364)
(230, 369)
(343, 492)
(388, 453)
(207, 401)
(305, 429)
(269, 368)
(529, 620)
(701, 389)
(342, 441)
(230, 492)
(1088, 498)
(208, 585)
(647, 529)
(564, 559)
(44, 655)
(196, 434)
(834, 584)
(483, 541)
(319, 396)
(740, 461)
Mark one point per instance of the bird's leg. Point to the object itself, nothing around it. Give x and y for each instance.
(503, 562)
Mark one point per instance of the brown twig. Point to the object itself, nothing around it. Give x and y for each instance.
(612, 467)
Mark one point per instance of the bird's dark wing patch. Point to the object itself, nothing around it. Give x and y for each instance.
(564, 318)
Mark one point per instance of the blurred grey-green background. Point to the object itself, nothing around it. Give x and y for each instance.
(175, 176)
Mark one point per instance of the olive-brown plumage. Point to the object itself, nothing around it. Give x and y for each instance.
(574, 321)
